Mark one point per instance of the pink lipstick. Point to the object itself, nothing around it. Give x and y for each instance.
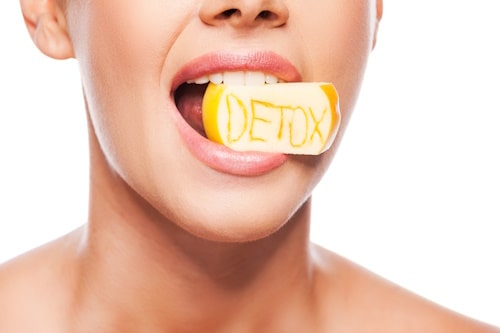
(217, 156)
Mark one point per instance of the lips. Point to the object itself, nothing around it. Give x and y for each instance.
(267, 62)
(188, 88)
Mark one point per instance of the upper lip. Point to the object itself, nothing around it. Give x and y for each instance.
(264, 61)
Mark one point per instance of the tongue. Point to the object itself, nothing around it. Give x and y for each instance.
(188, 99)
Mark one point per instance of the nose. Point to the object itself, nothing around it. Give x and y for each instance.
(244, 13)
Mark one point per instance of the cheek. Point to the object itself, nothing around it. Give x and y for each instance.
(115, 42)
(341, 30)
(120, 46)
(339, 43)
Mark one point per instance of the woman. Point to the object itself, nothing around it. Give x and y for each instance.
(184, 235)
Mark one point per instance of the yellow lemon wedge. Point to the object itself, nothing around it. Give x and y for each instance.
(290, 118)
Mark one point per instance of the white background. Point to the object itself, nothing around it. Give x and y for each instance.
(413, 194)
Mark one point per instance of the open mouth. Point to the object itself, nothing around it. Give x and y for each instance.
(189, 95)
(188, 99)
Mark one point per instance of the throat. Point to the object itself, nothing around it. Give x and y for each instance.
(188, 99)
(178, 278)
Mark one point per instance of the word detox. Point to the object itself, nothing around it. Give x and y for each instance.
(293, 118)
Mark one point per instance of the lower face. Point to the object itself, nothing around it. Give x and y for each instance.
(136, 55)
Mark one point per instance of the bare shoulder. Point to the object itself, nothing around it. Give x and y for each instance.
(32, 289)
(357, 300)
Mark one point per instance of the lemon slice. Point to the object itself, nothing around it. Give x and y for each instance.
(290, 118)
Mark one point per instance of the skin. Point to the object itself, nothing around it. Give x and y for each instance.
(200, 258)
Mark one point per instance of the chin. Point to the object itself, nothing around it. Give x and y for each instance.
(233, 232)
(233, 220)
(235, 226)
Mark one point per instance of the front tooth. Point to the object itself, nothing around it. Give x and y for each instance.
(201, 80)
(216, 78)
(255, 78)
(237, 78)
(271, 79)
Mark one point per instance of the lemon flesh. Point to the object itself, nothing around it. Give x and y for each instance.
(290, 118)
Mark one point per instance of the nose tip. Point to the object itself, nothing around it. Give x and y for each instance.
(244, 13)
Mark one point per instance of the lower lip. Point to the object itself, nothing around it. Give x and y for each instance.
(223, 159)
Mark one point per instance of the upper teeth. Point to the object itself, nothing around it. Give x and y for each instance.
(237, 78)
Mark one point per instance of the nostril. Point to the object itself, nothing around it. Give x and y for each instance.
(244, 13)
(227, 13)
(266, 14)
(263, 15)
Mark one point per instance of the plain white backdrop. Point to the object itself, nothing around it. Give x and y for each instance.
(413, 193)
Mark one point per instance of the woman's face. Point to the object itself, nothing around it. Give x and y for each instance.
(134, 55)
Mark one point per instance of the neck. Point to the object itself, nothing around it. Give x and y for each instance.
(140, 272)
